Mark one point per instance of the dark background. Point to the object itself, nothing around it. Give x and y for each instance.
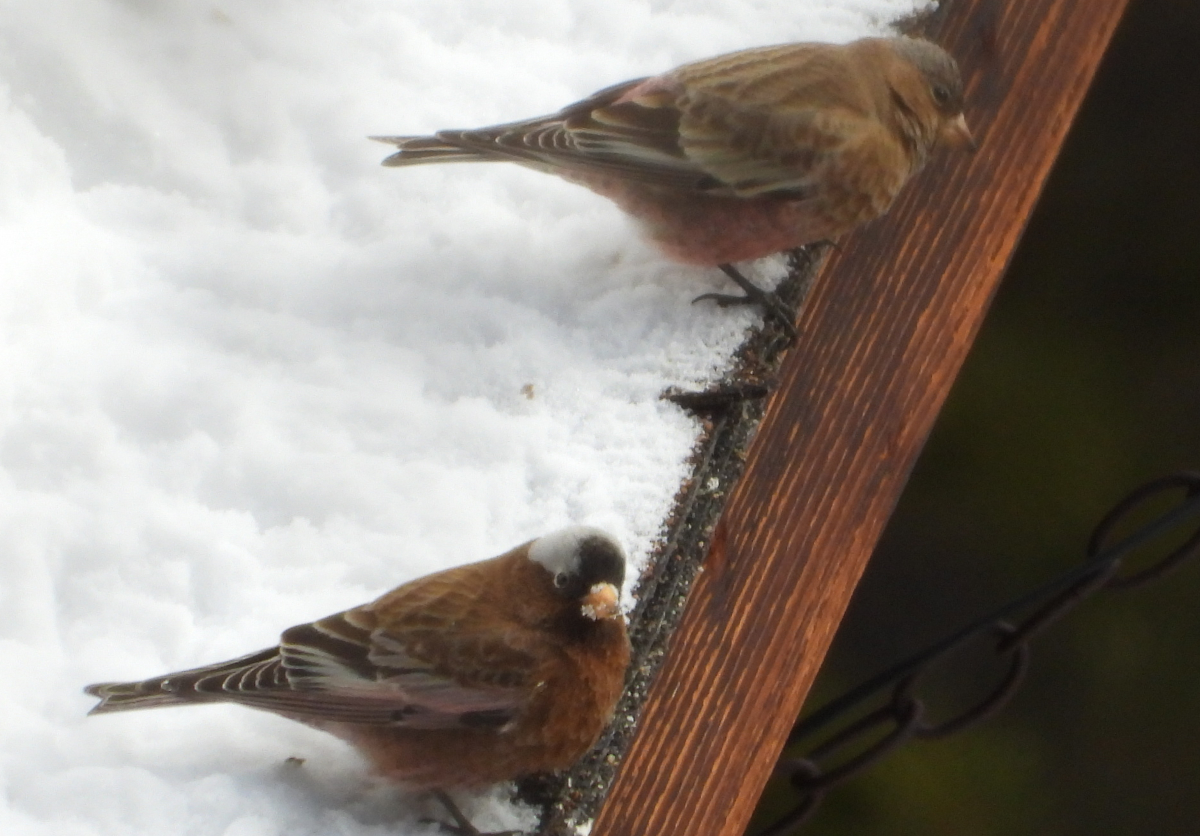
(1084, 383)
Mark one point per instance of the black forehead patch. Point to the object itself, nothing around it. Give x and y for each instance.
(600, 561)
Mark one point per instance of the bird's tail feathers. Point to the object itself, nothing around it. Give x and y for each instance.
(416, 150)
(128, 696)
(208, 684)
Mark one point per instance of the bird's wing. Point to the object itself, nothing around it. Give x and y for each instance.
(774, 120)
(430, 673)
(757, 151)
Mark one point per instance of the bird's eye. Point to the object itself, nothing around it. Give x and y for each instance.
(940, 94)
(560, 580)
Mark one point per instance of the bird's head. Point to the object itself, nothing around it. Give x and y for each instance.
(586, 566)
(939, 93)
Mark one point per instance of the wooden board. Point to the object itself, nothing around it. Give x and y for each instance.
(884, 335)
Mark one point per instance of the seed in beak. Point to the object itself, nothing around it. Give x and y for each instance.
(602, 601)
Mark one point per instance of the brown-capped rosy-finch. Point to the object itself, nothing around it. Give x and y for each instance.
(463, 678)
(742, 155)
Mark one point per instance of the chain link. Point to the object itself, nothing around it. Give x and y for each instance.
(904, 711)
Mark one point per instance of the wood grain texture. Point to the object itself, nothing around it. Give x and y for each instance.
(883, 337)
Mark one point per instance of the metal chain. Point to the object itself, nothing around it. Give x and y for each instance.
(904, 711)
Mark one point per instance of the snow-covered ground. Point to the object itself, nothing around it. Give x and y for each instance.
(249, 378)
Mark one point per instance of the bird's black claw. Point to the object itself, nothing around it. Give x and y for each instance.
(773, 307)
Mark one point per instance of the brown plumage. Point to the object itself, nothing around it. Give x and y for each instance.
(746, 154)
(466, 677)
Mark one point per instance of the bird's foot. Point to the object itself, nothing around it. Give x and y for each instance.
(773, 307)
(462, 825)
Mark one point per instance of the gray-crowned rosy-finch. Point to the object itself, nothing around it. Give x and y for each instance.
(742, 155)
(466, 677)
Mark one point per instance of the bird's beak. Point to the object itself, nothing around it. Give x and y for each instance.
(602, 601)
(956, 134)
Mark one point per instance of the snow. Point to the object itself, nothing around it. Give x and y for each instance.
(251, 378)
